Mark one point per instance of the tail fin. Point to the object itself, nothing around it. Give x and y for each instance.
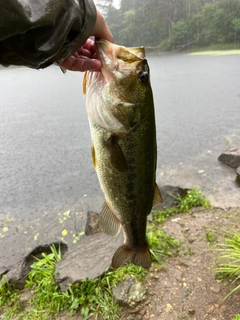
(140, 257)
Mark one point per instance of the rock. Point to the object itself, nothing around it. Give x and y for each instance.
(92, 224)
(231, 158)
(191, 311)
(129, 293)
(4, 270)
(170, 195)
(89, 259)
(19, 273)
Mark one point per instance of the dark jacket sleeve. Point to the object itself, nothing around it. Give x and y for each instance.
(36, 33)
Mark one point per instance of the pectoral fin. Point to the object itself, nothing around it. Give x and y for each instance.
(109, 222)
(118, 159)
(157, 199)
(94, 157)
(84, 83)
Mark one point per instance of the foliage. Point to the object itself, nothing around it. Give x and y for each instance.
(229, 259)
(211, 237)
(194, 198)
(7, 294)
(161, 244)
(172, 24)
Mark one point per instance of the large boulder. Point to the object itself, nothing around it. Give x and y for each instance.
(170, 195)
(231, 158)
(19, 273)
(88, 260)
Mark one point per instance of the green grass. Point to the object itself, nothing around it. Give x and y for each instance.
(211, 237)
(194, 198)
(161, 244)
(6, 293)
(229, 259)
(215, 53)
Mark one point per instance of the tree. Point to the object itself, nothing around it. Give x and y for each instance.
(172, 23)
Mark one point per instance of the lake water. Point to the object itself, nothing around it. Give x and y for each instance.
(45, 160)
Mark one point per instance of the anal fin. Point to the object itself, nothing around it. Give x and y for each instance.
(157, 199)
(109, 222)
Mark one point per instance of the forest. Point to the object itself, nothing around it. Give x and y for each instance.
(171, 25)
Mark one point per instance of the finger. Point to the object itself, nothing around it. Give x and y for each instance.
(83, 52)
(74, 64)
(89, 45)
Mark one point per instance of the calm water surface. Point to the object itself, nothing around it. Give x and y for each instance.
(45, 161)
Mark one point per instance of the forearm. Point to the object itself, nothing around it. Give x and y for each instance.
(37, 33)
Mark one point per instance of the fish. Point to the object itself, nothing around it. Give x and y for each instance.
(120, 109)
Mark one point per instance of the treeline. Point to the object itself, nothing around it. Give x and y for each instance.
(174, 24)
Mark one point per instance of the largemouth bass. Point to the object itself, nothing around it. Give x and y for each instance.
(120, 109)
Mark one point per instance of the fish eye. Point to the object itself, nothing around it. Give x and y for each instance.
(143, 77)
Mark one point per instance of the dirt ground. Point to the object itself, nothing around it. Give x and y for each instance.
(186, 287)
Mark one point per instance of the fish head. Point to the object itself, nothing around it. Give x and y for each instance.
(122, 87)
(126, 69)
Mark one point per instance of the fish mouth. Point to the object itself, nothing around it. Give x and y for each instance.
(118, 62)
(112, 55)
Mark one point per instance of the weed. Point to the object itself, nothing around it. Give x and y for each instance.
(187, 251)
(161, 244)
(237, 317)
(211, 237)
(194, 198)
(7, 294)
(229, 259)
(160, 215)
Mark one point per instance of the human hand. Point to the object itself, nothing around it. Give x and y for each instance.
(85, 58)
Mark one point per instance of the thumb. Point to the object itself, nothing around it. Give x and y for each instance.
(101, 30)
